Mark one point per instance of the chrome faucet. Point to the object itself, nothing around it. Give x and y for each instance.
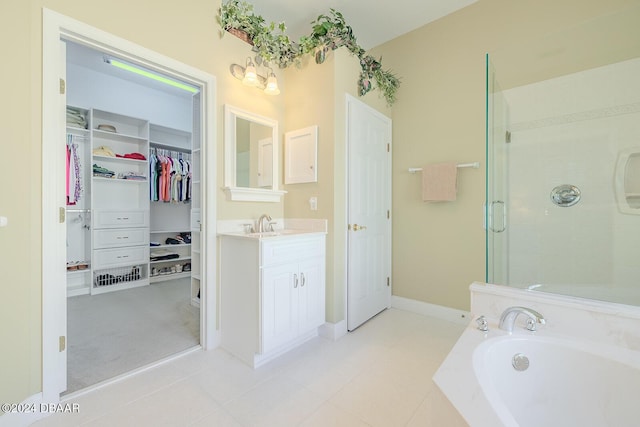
(508, 318)
(260, 224)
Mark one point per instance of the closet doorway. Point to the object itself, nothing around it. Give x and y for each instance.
(135, 213)
(133, 251)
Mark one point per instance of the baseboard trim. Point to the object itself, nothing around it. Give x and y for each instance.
(420, 307)
(333, 331)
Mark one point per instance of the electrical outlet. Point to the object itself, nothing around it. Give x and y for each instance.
(3, 221)
(313, 203)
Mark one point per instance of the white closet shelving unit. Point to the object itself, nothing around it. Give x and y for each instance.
(120, 202)
(109, 230)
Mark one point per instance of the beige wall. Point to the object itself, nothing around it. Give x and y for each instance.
(438, 248)
(20, 240)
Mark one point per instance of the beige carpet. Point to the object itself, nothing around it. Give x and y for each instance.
(113, 333)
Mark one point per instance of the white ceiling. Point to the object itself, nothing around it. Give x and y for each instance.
(373, 23)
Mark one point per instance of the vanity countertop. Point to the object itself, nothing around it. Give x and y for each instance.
(283, 228)
(276, 234)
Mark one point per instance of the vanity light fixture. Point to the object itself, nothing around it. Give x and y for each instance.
(250, 77)
(150, 75)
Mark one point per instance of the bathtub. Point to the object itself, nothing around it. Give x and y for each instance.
(583, 365)
(566, 383)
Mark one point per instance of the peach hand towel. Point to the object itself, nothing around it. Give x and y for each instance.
(439, 182)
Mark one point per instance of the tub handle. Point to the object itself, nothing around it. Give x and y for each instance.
(482, 323)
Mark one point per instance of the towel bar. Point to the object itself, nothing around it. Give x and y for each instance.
(474, 165)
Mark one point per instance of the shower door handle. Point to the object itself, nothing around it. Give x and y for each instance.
(492, 215)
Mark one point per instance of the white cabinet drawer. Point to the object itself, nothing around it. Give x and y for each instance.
(103, 258)
(288, 250)
(119, 219)
(118, 237)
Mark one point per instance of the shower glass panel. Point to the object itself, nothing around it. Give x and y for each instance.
(563, 161)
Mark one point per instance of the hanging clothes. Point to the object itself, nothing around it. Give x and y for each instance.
(170, 177)
(73, 167)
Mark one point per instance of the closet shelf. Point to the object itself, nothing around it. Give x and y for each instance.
(172, 276)
(119, 159)
(78, 272)
(169, 231)
(169, 147)
(180, 245)
(103, 134)
(130, 181)
(184, 258)
(78, 131)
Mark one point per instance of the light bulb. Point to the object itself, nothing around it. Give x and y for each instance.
(272, 85)
(250, 75)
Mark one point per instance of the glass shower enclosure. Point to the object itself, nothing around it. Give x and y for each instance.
(563, 162)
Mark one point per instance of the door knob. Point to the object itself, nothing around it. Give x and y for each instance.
(357, 227)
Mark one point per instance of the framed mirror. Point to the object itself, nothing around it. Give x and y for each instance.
(251, 156)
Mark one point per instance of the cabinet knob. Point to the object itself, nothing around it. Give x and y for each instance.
(302, 279)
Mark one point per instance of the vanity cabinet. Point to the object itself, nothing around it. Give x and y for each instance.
(292, 301)
(272, 293)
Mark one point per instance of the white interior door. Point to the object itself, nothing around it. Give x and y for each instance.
(369, 211)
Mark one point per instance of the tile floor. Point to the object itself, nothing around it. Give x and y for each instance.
(378, 375)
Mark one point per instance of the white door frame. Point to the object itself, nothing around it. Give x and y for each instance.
(353, 100)
(56, 26)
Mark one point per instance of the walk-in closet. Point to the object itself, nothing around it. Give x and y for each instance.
(133, 216)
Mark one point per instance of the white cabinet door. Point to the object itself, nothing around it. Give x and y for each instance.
(311, 294)
(293, 301)
(301, 155)
(279, 307)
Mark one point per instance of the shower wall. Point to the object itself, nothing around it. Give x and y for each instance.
(570, 130)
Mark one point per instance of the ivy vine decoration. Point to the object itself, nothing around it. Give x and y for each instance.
(275, 46)
(270, 41)
(329, 32)
(332, 32)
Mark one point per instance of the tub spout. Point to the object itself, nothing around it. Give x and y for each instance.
(508, 318)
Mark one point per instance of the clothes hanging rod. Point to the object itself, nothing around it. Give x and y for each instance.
(78, 210)
(474, 165)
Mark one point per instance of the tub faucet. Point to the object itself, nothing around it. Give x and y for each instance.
(508, 318)
(260, 225)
